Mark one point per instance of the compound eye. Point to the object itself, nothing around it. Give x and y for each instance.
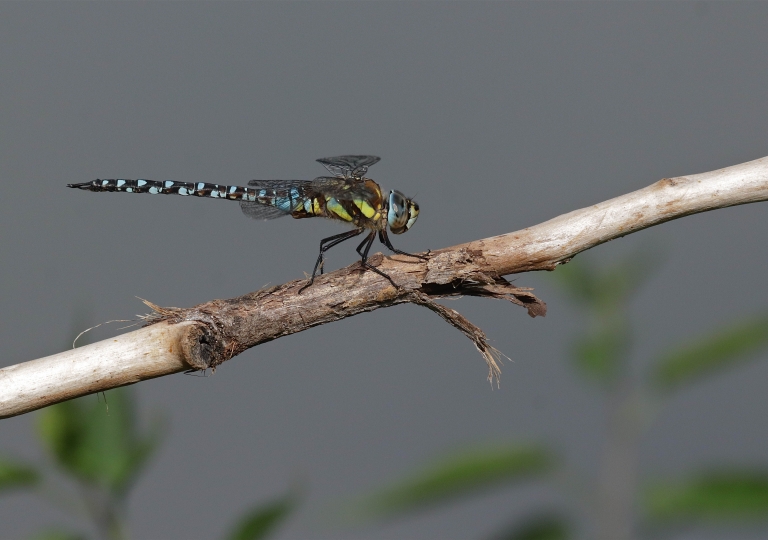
(413, 214)
(397, 213)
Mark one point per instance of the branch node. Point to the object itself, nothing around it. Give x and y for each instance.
(203, 345)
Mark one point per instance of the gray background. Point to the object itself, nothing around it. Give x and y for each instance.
(496, 116)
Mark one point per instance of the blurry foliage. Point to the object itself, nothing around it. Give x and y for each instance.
(57, 534)
(737, 343)
(605, 291)
(537, 527)
(96, 443)
(455, 476)
(14, 475)
(714, 496)
(601, 354)
(603, 294)
(260, 521)
(598, 354)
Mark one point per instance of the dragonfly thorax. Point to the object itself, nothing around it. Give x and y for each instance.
(401, 212)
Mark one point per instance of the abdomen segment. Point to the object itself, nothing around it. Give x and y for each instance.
(199, 189)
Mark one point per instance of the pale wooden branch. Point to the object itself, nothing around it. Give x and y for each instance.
(206, 335)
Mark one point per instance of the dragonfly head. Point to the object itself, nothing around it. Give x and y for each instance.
(401, 212)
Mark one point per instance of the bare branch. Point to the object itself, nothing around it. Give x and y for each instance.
(129, 358)
(206, 335)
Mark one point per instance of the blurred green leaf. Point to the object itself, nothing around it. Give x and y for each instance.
(460, 475)
(539, 527)
(604, 289)
(717, 351)
(57, 534)
(601, 353)
(15, 475)
(578, 279)
(259, 522)
(97, 442)
(720, 496)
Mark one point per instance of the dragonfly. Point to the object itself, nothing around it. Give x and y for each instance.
(347, 196)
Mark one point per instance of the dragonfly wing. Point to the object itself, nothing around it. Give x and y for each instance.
(275, 190)
(256, 210)
(342, 189)
(349, 166)
(280, 185)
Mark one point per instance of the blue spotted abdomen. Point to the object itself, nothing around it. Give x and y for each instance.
(199, 189)
(286, 200)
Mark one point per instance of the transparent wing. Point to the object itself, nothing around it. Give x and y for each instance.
(349, 166)
(280, 185)
(341, 189)
(256, 210)
(279, 188)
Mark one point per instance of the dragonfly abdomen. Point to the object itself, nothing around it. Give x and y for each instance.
(286, 200)
(199, 189)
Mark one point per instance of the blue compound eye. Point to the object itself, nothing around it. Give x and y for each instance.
(402, 212)
(397, 213)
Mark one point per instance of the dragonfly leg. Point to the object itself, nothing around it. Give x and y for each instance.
(325, 245)
(367, 243)
(384, 239)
